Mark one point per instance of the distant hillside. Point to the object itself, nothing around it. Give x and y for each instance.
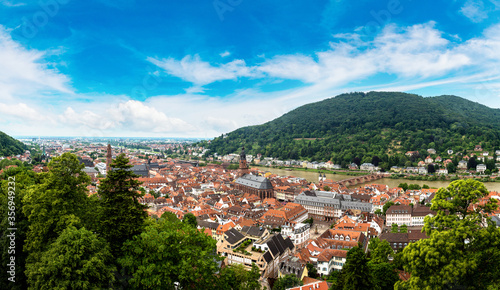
(363, 125)
(10, 146)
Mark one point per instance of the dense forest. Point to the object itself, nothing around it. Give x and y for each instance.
(10, 146)
(364, 125)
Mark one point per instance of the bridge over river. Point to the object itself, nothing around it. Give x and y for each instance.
(362, 179)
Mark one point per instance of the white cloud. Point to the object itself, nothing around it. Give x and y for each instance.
(297, 67)
(20, 110)
(23, 71)
(198, 72)
(225, 53)
(484, 49)
(11, 4)
(136, 115)
(86, 118)
(474, 10)
(416, 51)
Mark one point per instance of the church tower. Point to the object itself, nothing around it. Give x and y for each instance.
(243, 163)
(108, 158)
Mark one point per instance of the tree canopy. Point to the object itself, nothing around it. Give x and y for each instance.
(78, 259)
(121, 216)
(375, 127)
(170, 251)
(10, 146)
(287, 281)
(58, 201)
(355, 274)
(464, 245)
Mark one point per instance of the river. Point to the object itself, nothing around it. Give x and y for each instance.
(314, 176)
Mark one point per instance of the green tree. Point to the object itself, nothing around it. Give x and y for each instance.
(78, 259)
(404, 186)
(58, 201)
(355, 274)
(190, 219)
(287, 281)
(170, 217)
(19, 180)
(378, 211)
(121, 215)
(452, 168)
(384, 275)
(167, 252)
(464, 245)
(472, 163)
(326, 188)
(236, 277)
(387, 205)
(379, 251)
(382, 272)
(312, 271)
(403, 228)
(394, 228)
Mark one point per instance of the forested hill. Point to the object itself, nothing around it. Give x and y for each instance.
(368, 124)
(10, 146)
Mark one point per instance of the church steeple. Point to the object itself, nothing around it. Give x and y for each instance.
(243, 169)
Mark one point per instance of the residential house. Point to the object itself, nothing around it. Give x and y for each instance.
(341, 239)
(368, 167)
(255, 233)
(422, 170)
(397, 241)
(462, 164)
(412, 153)
(268, 261)
(329, 260)
(313, 285)
(298, 232)
(480, 168)
(292, 266)
(418, 215)
(399, 214)
(222, 229)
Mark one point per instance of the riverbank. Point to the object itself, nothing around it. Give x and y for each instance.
(482, 178)
(336, 171)
(313, 176)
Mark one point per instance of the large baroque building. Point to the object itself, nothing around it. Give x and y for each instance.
(326, 205)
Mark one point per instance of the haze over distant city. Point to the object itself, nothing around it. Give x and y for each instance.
(202, 68)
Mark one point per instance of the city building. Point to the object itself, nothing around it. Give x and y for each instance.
(326, 205)
(257, 185)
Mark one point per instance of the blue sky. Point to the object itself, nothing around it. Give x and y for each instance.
(206, 67)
